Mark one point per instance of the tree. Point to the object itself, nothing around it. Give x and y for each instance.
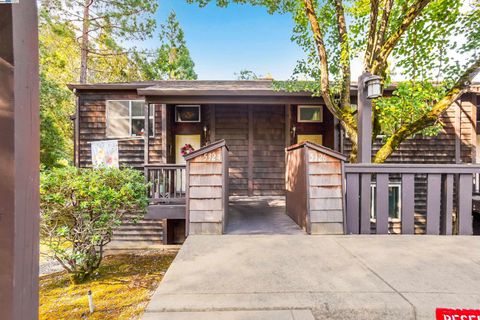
(419, 35)
(172, 59)
(60, 62)
(245, 74)
(81, 207)
(104, 22)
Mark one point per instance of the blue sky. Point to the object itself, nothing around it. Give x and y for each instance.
(222, 41)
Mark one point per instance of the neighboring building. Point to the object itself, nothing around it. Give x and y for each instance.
(256, 121)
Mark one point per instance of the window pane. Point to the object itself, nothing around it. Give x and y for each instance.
(152, 110)
(116, 109)
(117, 119)
(394, 202)
(118, 127)
(310, 114)
(137, 108)
(187, 113)
(138, 127)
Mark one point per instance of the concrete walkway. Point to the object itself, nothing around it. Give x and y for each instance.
(260, 215)
(318, 277)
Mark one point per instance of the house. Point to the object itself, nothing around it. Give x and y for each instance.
(257, 123)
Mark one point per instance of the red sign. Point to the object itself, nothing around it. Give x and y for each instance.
(457, 314)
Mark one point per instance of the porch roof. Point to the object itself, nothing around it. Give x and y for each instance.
(218, 88)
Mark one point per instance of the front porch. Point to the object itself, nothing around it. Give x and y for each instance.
(259, 127)
(323, 196)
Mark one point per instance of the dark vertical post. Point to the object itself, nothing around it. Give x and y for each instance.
(288, 117)
(465, 205)
(365, 202)
(163, 133)
(382, 203)
(146, 133)
(19, 161)
(447, 205)
(353, 217)
(364, 151)
(434, 182)
(408, 203)
(212, 123)
(364, 122)
(250, 150)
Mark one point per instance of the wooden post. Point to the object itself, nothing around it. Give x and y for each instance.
(364, 122)
(146, 133)
(19, 161)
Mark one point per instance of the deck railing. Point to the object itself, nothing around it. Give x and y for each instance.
(168, 183)
(442, 200)
(476, 184)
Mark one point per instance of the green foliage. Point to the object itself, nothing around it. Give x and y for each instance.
(438, 44)
(245, 74)
(55, 127)
(172, 59)
(409, 102)
(81, 207)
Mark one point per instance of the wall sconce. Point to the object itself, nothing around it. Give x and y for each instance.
(374, 87)
(294, 131)
(205, 130)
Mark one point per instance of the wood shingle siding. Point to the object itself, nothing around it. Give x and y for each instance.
(92, 127)
(255, 135)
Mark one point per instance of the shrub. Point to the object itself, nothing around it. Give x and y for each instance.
(81, 207)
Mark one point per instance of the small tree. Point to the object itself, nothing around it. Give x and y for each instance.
(172, 60)
(81, 207)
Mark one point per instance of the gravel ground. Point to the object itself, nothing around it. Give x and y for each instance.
(50, 266)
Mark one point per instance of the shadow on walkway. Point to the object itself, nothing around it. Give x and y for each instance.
(260, 215)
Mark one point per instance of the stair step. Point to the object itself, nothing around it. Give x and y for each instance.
(154, 228)
(135, 233)
(136, 238)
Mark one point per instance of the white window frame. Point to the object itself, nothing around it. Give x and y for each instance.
(189, 106)
(373, 188)
(130, 117)
(300, 107)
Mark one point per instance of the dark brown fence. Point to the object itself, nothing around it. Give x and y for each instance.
(449, 197)
(168, 183)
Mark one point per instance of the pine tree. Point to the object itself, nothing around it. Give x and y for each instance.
(172, 59)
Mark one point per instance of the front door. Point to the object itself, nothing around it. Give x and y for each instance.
(181, 142)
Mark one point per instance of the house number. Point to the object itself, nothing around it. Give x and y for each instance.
(317, 157)
(210, 157)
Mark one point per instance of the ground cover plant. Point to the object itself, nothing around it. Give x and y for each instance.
(121, 288)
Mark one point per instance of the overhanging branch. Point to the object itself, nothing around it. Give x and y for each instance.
(430, 117)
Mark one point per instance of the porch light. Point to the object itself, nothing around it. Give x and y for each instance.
(374, 87)
(205, 130)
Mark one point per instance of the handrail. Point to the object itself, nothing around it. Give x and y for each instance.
(411, 168)
(165, 166)
(167, 182)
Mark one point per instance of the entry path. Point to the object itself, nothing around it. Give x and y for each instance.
(318, 277)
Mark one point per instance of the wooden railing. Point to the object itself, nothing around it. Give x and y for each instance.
(476, 184)
(168, 183)
(443, 202)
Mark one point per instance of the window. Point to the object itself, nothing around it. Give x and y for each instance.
(394, 202)
(187, 113)
(310, 114)
(126, 118)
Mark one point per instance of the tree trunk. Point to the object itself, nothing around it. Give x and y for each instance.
(84, 43)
